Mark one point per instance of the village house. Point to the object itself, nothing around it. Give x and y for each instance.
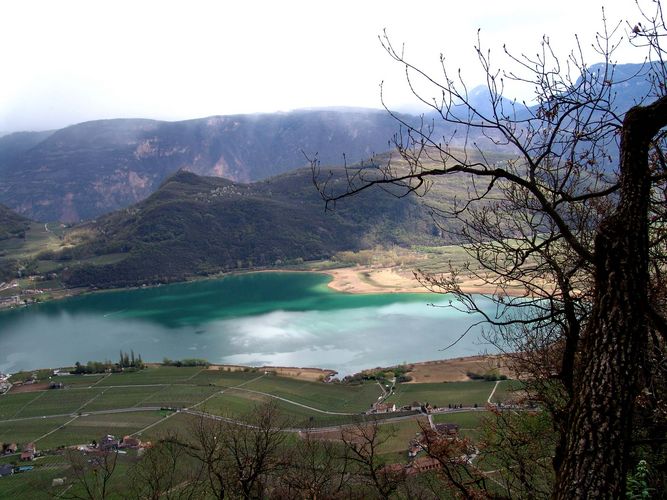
(108, 443)
(415, 406)
(424, 464)
(14, 300)
(445, 429)
(130, 442)
(383, 408)
(9, 448)
(417, 466)
(414, 449)
(29, 452)
(6, 470)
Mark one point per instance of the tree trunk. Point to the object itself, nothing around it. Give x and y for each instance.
(614, 340)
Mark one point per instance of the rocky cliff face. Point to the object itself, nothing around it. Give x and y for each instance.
(86, 170)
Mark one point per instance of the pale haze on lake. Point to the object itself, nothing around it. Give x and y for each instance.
(280, 319)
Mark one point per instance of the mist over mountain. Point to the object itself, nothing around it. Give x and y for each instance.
(90, 169)
(85, 170)
(15, 144)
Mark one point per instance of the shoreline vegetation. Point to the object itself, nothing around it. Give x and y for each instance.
(373, 271)
(461, 369)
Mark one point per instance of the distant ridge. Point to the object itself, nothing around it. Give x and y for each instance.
(90, 169)
(85, 170)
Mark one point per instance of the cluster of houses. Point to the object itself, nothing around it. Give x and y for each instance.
(420, 464)
(32, 379)
(111, 443)
(444, 431)
(22, 296)
(107, 443)
(27, 297)
(28, 453)
(12, 300)
(382, 407)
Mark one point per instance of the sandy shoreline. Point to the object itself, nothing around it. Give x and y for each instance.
(437, 370)
(361, 280)
(441, 370)
(373, 280)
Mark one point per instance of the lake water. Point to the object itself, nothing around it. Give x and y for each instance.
(286, 319)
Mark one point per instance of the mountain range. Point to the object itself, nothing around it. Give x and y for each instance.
(90, 169)
(165, 200)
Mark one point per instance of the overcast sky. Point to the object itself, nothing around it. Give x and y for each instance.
(64, 62)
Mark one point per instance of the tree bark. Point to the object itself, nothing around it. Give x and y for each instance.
(595, 462)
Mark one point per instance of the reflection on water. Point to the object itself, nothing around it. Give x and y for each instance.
(288, 319)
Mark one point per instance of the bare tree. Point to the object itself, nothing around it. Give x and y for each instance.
(92, 473)
(241, 457)
(207, 449)
(316, 469)
(519, 446)
(166, 471)
(575, 216)
(452, 456)
(362, 452)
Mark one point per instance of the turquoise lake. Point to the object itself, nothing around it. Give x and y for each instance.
(286, 319)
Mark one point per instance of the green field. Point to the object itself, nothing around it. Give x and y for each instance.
(37, 483)
(222, 378)
(12, 404)
(215, 391)
(467, 419)
(122, 397)
(92, 427)
(234, 404)
(24, 431)
(444, 394)
(120, 404)
(508, 389)
(55, 402)
(153, 375)
(331, 397)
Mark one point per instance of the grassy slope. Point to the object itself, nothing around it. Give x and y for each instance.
(12, 225)
(443, 394)
(201, 225)
(195, 225)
